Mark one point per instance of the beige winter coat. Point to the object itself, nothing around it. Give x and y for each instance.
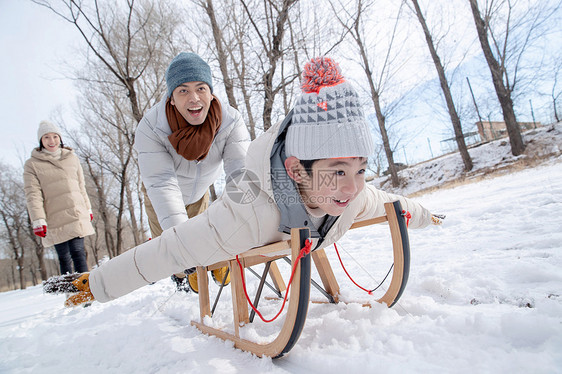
(228, 228)
(56, 192)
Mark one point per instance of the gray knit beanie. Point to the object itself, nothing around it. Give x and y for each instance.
(46, 127)
(327, 118)
(187, 67)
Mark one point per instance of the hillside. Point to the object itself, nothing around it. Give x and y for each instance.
(490, 159)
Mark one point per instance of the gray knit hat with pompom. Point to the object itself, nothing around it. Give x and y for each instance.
(327, 118)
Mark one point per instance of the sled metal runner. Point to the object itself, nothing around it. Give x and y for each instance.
(299, 295)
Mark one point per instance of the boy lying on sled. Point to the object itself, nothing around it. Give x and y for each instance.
(307, 171)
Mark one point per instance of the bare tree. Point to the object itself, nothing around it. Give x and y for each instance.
(501, 48)
(258, 47)
(129, 46)
(555, 91)
(269, 27)
(124, 40)
(229, 28)
(105, 141)
(353, 19)
(18, 241)
(38, 249)
(13, 216)
(455, 120)
(555, 95)
(220, 47)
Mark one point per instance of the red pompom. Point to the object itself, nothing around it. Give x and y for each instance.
(320, 72)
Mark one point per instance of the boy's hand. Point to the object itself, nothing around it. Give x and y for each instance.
(437, 219)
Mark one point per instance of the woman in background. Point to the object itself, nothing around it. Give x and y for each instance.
(57, 202)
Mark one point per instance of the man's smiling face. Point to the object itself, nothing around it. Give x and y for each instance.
(192, 100)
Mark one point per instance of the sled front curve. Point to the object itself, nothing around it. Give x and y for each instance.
(297, 303)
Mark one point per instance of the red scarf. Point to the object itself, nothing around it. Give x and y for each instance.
(193, 142)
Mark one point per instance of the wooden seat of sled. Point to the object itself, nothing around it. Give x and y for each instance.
(299, 296)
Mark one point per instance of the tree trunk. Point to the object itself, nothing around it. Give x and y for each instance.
(455, 120)
(221, 55)
(40, 252)
(21, 266)
(274, 53)
(375, 97)
(554, 107)
(502, 92)
(134, 225)
(103, 210)
(385, 140)
(18, 257)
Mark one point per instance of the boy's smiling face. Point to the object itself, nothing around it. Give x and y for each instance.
(333, 184)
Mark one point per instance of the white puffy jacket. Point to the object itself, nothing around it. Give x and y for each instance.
(171, 181)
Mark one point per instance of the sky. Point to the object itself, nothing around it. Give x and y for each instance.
(483, 296)
(34, 87)
(33, 43)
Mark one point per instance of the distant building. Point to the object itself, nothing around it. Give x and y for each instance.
(450, 144)
(491, 130)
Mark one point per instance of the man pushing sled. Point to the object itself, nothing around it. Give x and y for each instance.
(306, 171)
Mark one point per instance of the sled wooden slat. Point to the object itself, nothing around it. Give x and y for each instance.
(239, 305)
(203, 288)
(276, 277)
(256, 256)
(326, 273)
(299, 296)
(283, 245)
(370, 221)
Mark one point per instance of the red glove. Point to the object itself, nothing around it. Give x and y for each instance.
(40, 231)
(91, 217)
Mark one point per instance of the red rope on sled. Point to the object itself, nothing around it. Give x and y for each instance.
(407, 215)
(303, 252)
(370, 292)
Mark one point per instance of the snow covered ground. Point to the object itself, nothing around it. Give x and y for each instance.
(484, 296)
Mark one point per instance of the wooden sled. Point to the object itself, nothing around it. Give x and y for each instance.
(299, 295)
